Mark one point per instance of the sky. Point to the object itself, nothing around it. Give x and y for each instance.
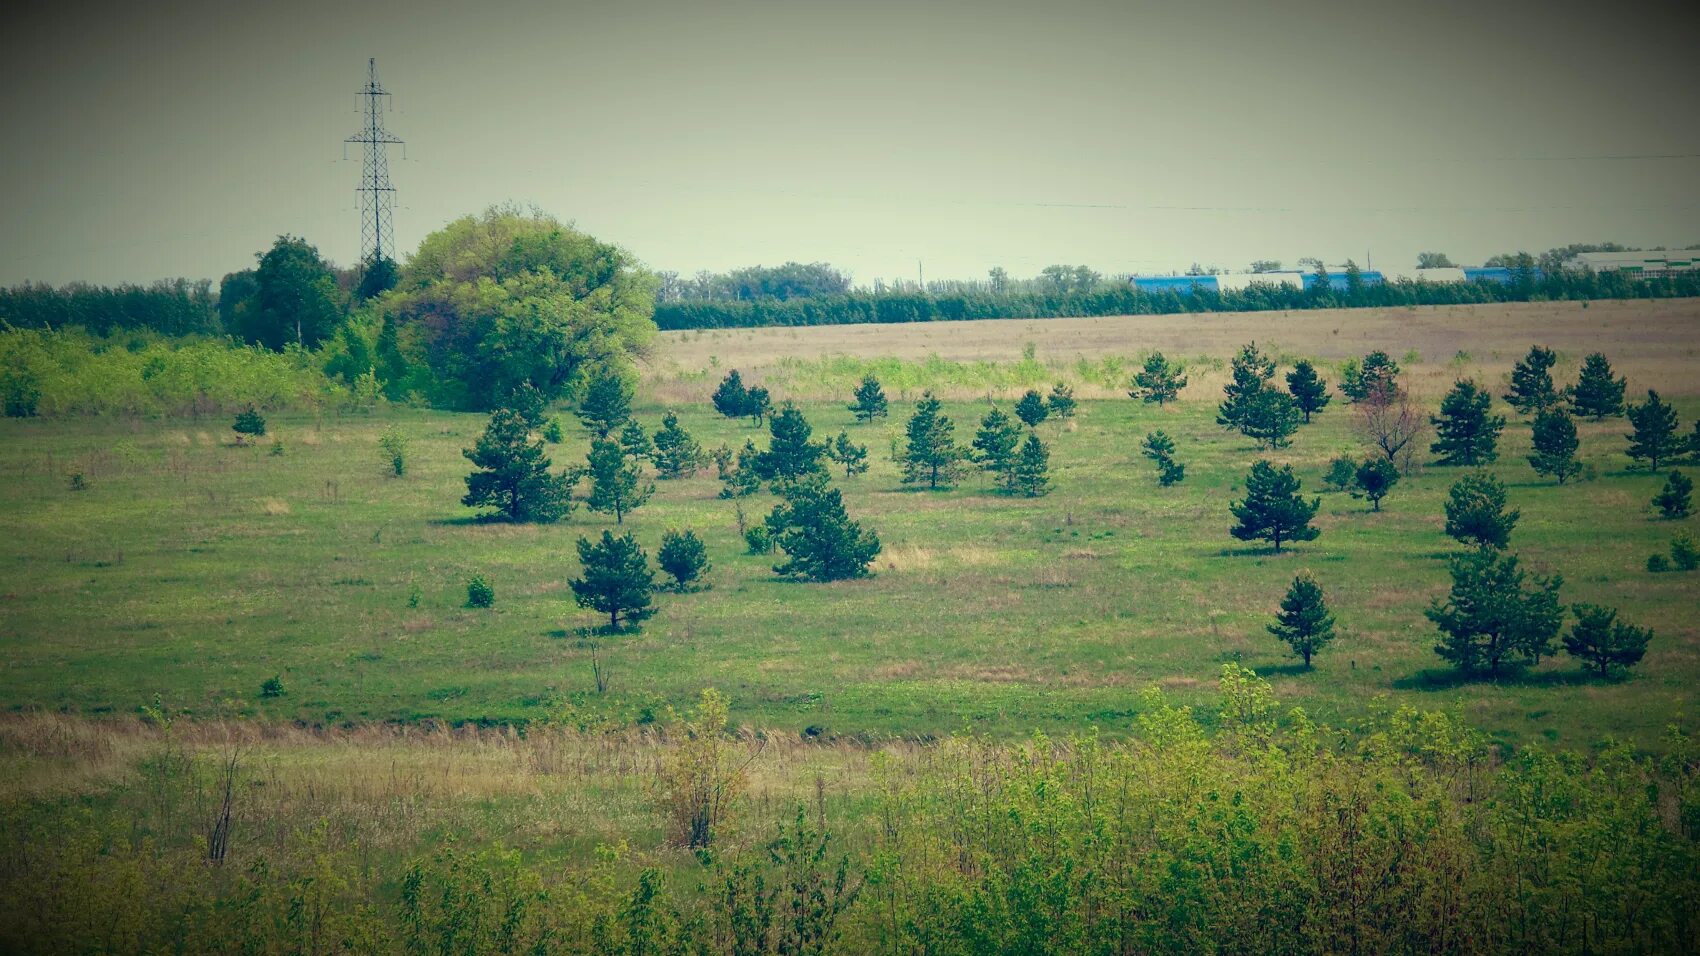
(177, 139)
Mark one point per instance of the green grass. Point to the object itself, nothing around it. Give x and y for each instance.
(195, 570)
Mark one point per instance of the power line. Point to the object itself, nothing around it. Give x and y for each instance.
(376, 192)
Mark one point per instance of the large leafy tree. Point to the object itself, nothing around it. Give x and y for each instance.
(1596, 393)
(1466, 432)
(932, 455)
(1654, 437)
(294, 298)
(511, 296)
(616, 579)
(513, 475)
(1491, 620)
(820, 541)
(1531, 382)
(1554, 438)
(1309, 390)
(1159, 381)
(1475, 512)
(1273, 510)
(1304, 621)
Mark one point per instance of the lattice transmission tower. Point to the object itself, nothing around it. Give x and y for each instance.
(376, 192)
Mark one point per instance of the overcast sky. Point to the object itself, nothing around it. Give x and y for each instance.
(149, 140)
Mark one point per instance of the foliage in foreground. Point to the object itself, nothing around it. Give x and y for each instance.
(1273, 834)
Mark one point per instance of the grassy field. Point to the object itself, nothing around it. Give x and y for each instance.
(194, 570)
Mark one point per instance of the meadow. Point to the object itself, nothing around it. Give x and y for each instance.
(193, 569)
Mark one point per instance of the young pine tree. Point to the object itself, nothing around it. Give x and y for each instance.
(742, 480)
(1596, 394)
(1555, 445)
(1032, 409)
(757, 404)
(1374, 479)
(1600, 641)
(513, 475)
(634, 441)
(932, 454)
(1475, 512)
(995, 447)
(1160, 448)
(1374, 378)
(1654, 438)
(1490, 620)
(870, 400)
(1465, 433)
(1273, 510)
(533, 407)
(731, 398)
(606, 405)
(683, 558)
(1030, 474)
(677, 454)
(1159, 381)
(1309, 391)
(1303, 621)
(1252, 371)
(616, 485)
(820, 541)
(1675, 501)
(1269, 418)
(249, 424)
(615, 579)
(1341, 474)
(1531, 382)
(791, 453)
(1061, 401)
(853, 457)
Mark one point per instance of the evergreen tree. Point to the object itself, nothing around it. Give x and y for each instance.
(1160, 448)
(1061, 401)
(820, 541)
(730, 397)
(634, 441)
(1694, 441)
(1270, 418)
(852, 456)
(606, 405)
(677, 454)
(1252, 371)
(1674, 501)
(1603, 642)
(995, 447)
(1309, 391)
(1341, 475)
(1654, 438)
(1029, 476)
(932, 455)
(249, 424)
(1374, 479)
(1273, 510)
(1032, 408)
(1303, 621)
(1375, 377)
(615, 579)
(1475, 512)
(532, 407)
(514, 475)
(870, 400)
(1490, 619)
(742, 480)
(683, 557)
(1555, 444)
(1531, 382)
(791, 454)
(616, 486)
(1464, 431)
(757, 404)
(1596, 394)
(1158, 381)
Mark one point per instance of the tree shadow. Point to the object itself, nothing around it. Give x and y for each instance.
(1449, 678)
(463, 521)
(1288, 669)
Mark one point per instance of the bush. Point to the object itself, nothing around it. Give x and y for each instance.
(1658, 563)
(394, 444)
(273, 687)
(479, 593)
(759, 539)
(249, 424)
(1683, 554)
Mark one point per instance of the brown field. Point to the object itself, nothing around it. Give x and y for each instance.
(1654, 342)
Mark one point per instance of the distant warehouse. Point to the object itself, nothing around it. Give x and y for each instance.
(1653, 262)
(1238, 282)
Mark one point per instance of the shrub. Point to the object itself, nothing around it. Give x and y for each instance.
(1658, 563)
(249, 424)
(394, 444)
(1683, 553)
(78, 483)
(277, 448)
(479, 593)
(272, 687)
(1674, 501)
(552, 431)
(758, 539)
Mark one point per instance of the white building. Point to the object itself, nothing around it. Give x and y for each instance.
(1652, 261)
